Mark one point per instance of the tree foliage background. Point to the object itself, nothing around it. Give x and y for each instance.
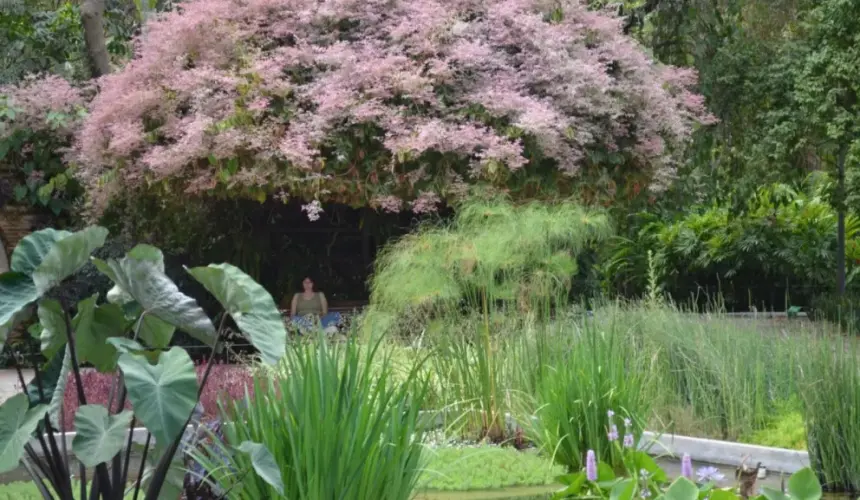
(481, 98)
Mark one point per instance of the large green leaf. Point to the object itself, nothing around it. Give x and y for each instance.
(156, 332)
(17, 423)
(18, 292)
(265, 465)
(682, 489)
(250, 305)
(99, 436)
(67, 256)
(105, 321)
(804, 485)
(53, 322)
(158, 295)
(772, 494)
(163, 395)
(31, 250)
(623, 490)
(117, 295)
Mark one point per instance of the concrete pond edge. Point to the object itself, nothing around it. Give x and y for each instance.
(655, 444)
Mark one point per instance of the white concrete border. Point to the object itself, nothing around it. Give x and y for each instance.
(724, 452)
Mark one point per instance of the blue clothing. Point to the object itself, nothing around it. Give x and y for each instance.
(308, 322)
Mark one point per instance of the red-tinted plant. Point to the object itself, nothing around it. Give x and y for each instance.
(226, 382)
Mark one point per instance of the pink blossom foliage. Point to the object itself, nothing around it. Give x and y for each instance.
(46, 103)
(410, 99)
(226, 382)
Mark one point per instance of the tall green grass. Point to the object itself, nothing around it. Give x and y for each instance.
(602, 371)
(719, 376)
(338, 424)
(831, 408)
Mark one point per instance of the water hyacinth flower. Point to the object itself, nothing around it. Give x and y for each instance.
(590, 466)
(628, 440)
(709, 473)
(613, 433)
(687, 466)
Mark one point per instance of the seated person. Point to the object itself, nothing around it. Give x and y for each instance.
(310, 306)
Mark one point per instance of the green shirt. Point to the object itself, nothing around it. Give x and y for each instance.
(308, 307)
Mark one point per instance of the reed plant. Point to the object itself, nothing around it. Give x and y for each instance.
(595, 392)
(831, 408)
(337, 422)
(718, 376)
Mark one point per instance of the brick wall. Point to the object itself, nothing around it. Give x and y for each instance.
(15, 223)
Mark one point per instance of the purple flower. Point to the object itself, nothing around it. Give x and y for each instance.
(628, 440)
(590, 466)
(709, 473)
(686, 466)
(613, 433)
(610, 414)
(627, 423)
(645, 493)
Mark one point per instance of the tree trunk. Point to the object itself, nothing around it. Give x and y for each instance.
(92, 19)
(840, 223)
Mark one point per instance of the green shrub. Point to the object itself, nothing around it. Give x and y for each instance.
(337, 423)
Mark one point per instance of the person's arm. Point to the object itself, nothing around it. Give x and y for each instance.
(324, 304)
(293, 305)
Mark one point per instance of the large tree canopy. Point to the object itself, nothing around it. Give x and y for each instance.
(385, 102)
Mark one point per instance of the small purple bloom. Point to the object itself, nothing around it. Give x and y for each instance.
(628, 440)
(590, 466)
(709, 473)
(687, 466)
(645, 493)
(613, 433)
(610, 414)
(627, 423)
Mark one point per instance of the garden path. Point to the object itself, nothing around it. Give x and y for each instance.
(9, 383)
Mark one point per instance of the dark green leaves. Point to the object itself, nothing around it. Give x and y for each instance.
(163, 395)
(99, 435)
(250, 305)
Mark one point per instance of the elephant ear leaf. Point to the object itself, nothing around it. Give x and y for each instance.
(250, 305)
(31, 251)
(17, 423)
(163, 395)
(99, 436)
(264, 464)
(67, 256)
(145, 282)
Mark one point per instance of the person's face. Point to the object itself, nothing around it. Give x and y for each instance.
(308, 285)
